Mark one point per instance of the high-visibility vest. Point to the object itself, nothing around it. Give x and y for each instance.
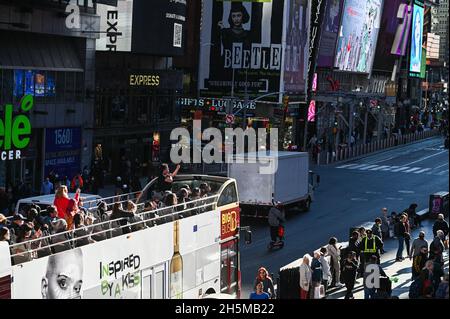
(370, 250)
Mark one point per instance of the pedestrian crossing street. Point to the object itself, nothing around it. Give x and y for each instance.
(439, 171)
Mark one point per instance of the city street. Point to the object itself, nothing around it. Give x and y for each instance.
(351, 194)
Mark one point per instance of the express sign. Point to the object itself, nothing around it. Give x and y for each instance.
(15, 131)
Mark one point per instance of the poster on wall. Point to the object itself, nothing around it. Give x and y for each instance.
(384, 59)
(330, 30)
(297, 49)
(415, 64)
(358, 35)
(241, 47)
(63, 151)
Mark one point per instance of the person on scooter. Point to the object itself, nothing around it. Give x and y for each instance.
(276, 219)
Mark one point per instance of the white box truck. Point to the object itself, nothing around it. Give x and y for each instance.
(292, 183)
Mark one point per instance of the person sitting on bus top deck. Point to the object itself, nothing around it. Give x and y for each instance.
(118, 212)
(81, 231)
(205, 190)
(165, 178)
(186, 186)
(195, 193)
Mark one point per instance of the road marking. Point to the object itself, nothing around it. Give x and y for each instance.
(359, 199)
(347, 166)
(441, 166)
(389, 168)
(425, 158)
(359, 166)
(368, 167)
(379, 168)
(400, 169)
(407, 192)
(423, 171)
(374, 193)
(393, 198)
(412, 170)
(443, 172)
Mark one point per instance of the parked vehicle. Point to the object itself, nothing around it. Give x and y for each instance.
(292, 184)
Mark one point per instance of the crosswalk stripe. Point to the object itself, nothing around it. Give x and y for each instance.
(422, 171)
(359, 166)
(379, 168)
(399, 169)
(368, 167)
(390, 168)
(347, 166)
(412, 170)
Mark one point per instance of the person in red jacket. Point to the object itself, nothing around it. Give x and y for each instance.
(77, 182)
(62, 200)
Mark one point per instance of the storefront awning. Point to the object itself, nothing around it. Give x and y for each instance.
(31, 51)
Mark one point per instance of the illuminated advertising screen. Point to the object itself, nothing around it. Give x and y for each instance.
(390, 23)
(415, 62)
(330, 30)
(36, 83)
(358, 35)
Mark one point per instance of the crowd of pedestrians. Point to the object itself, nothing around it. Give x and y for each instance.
(335, 266)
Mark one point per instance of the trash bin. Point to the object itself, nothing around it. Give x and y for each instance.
(439, 204)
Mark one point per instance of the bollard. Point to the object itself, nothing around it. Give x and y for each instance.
(328, 158)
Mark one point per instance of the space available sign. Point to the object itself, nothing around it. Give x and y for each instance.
(241, 40)
(150, 27)
(62, 151)
(159, 27)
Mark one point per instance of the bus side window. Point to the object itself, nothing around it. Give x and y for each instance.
(228, 196)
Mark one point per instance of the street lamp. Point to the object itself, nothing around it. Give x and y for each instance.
(18, 25)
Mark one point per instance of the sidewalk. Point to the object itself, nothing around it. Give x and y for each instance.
(400, 270)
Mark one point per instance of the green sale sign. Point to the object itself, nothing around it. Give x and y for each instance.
(15, 131)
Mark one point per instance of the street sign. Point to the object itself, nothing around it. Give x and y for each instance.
(229, 119)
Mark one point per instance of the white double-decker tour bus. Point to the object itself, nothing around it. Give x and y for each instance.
(185, 251)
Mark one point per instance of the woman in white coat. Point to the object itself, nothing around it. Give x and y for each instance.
(305, 277)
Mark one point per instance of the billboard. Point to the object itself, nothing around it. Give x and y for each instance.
(241, 47)
(358, 35)
(404, 15)
(116, 26)
(415, 62)
(150, 27)
(63, 151)
(296, 50)
(159, 27)
(330, 29)
(384, 59)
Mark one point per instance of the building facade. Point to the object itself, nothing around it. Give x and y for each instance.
(54, 61)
